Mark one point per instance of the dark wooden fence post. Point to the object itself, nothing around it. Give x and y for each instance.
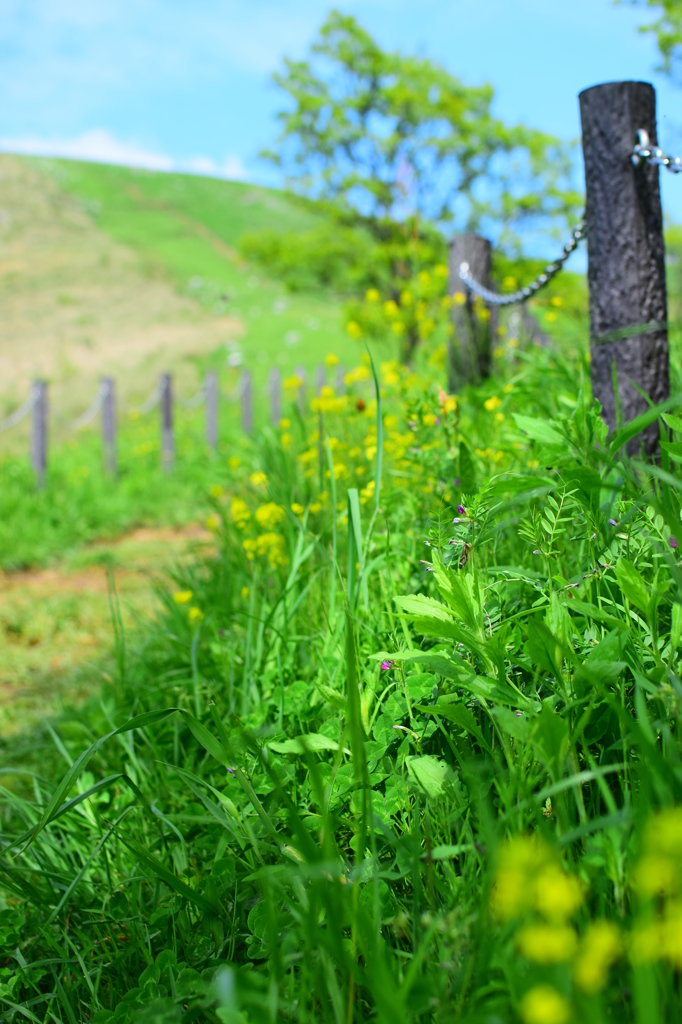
(320, 378)
(39, 432)
(301, 374)
(109, 425)
(626, 257)
(167, 440)
(275, 385)
(470, 346)
(211, 393)
(247, 401)
(339, 382)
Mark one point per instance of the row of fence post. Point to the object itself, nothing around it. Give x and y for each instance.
(166, 401)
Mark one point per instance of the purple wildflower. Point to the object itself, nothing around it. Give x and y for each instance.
(437, 420)
(461, 510)
(537, 551)
(386, 665)
(613, 522)
(672, 541)
(456, 481)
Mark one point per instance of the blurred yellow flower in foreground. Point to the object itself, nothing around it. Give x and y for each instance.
(458, 299)
(599, 949)
(544, 1005)
(547, 944)
(491, 404)
(297, 509)
(234, 462)
(183, 596)
(354, 330)
(245, 592)
(269, 515)
(372, 295)
(213, 522)
(239, 511)
(292, 383)
(259, 479)
(195, 615)
(216, 491)
(331, 360)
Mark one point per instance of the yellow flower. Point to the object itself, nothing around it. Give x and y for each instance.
(499, 417)
(286, 440)
(354, 330)
(519, 862)
(356, 375)
(513, 342)
(484, 314)
(550, 317)
(183, 596)
(424, 278)
(544, 1005)
(297, 509)
(492, 403)
(213, 522)
(398, 327)
(547, 944)
(498, 352)
(216, 491)
(245, 592)
(406, 297)
(284, 423)
(458, 299)
(557, 895)
(331, 360)
(448, 403)
(315, 507)
(656, 874)
(508, 388)
(441, 270)
(259, 479)
(234, 462)
(509, 283)
(372, 295)
(390, 309)
(429, 419)
(292, 383)
(557, 301)
(195, 614)
(446, 302)
(269, 515)
(600, 947)
(239, 511)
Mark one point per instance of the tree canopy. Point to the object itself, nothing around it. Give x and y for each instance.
(393, 137)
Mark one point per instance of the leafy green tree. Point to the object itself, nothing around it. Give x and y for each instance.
(399, 139)
(667, 28)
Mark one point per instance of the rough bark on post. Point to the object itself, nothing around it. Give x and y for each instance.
(247, 401)
(211, 393)
(39, 432)
(470, 346)
(626, 257)
(109, 425)
(275, 386)
(167, 440)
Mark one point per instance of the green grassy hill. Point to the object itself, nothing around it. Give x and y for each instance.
(109, 269)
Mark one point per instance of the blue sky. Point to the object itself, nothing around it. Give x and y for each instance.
(174, 84)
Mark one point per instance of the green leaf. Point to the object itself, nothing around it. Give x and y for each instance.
(674, 422)
(429, 773)
(539, 430)
(674, 449)
(632, 585)
(311, 742)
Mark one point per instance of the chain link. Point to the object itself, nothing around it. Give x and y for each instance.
(194, 402)
(523, 294)
(19, 414)
(147, 405)
(89, 415)
(643, 152)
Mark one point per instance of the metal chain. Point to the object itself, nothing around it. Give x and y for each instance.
(147, 405)
(19, 414)
(523, 294)
(89, 415)
(194, 402)
(644, 153)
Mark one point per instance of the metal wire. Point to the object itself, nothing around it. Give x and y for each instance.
(195, 401)
(523, 294)
(19, 414)
(643, 152)
(89, 415)
(147, 405)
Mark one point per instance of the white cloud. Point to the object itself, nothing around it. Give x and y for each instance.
(101, 146)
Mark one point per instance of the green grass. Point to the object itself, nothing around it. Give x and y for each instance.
(392, 767)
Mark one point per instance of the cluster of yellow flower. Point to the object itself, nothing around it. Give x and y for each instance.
(194, 613)
(658, 881)
(268, 545)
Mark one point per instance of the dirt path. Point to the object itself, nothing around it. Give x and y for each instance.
(55, 623)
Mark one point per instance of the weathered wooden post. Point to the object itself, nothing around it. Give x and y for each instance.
(211, 395)
(474, 324)
(339, 382)
(167, 440)
(275, 386)
(320, 379)
(39, 432)
(246, 388)
(109, 425)
(626, 256)
(301, 374)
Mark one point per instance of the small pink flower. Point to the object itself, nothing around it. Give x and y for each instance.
(673, 542)
(386, 665)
